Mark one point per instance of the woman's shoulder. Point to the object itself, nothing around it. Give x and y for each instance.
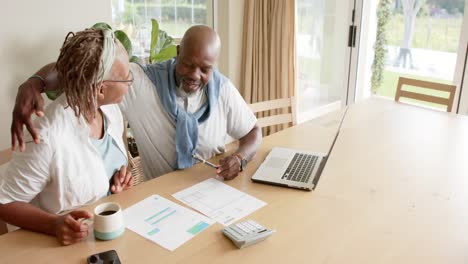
(59, 119)
(56, 113)
(49, 124)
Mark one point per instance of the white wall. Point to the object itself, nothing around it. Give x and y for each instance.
(32, 34)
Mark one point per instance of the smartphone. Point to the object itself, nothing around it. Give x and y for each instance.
(107, 257)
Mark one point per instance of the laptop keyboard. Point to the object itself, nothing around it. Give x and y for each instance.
(300, 168)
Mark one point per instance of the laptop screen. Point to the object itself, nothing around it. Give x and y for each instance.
(337, 132)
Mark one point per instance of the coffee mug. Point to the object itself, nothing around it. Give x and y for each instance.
(108, 221)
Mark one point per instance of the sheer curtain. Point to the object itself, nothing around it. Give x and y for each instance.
(269, 52)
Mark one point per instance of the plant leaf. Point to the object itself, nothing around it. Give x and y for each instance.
(165, 48)
(125, 40)
(164, 40)
(101, 25)
(168, 53)
(154, 39)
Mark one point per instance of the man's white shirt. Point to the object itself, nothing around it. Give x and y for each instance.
(154, 129)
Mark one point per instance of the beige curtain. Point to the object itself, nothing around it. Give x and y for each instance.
(268, 52)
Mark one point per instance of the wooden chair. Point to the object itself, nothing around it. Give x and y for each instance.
(448, 102)
(276, 119)
(133, 162)
(5, 157)
(270, 120)
(137, 169)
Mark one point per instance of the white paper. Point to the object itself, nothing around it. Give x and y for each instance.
(164, 222)
(219, 201)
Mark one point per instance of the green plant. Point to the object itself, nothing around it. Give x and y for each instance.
(383, 15)
(122, 37)
(162, 45)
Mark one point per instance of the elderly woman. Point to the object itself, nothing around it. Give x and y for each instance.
(81, 152)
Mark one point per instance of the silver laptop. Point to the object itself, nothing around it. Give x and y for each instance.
(294, 168)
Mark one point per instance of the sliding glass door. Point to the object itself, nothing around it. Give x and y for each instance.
(461, 69)
(417, 39)
(327, 33)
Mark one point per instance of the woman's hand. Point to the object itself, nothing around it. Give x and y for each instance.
(123, 180)
(69, 229)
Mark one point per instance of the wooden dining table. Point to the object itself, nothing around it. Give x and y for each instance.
(394, 190)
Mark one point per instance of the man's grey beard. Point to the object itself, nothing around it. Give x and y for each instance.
(200, 86)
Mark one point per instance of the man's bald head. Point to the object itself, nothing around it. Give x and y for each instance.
(202, 39)
(196, 55)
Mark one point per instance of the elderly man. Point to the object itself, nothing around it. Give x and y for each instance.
(176, 109)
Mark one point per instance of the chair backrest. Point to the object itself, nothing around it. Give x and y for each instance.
(448, 102)
(5, 156)
(275, 119)
(133, 162)
(137, 169)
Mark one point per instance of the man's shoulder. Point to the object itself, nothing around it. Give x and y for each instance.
(142, 88)
(153, 67)
(137, 69)
(220, 77)
(228, 90)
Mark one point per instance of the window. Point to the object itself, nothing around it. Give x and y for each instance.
(322, 55)
(174, 17)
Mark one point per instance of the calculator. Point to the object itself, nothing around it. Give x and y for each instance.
(246, 233)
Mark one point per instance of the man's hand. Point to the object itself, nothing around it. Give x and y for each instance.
(229, 167)
(123, 180)
(28, 101)
(69, 229)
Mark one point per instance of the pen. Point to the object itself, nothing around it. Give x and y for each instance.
(195, 156)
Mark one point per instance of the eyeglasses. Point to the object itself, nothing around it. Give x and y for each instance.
(130, 82)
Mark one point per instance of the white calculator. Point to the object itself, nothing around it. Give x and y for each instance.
(246, 233)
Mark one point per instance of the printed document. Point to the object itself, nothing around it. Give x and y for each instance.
(219, 201)
(164, 222)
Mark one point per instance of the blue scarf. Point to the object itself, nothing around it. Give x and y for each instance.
(163, 77)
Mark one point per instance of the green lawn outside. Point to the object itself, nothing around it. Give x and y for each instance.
(390, 81)
(441, 34)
